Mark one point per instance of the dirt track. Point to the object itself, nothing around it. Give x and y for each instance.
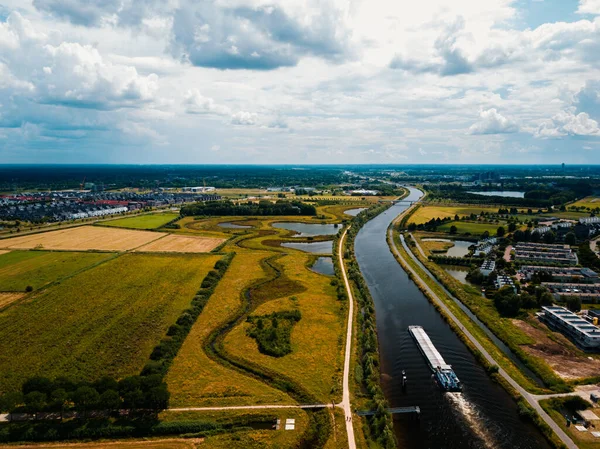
(7, 298)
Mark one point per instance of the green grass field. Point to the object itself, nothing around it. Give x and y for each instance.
(149, 221)
(19, 269)
(103, 321)
(425, 213)
(472, 228)
(591, 202)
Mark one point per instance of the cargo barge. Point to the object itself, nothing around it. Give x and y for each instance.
(444, 374)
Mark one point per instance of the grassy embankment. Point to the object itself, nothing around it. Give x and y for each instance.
(111, 317)
(36, 269)
(147, 221)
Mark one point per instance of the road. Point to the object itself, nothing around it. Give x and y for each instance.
(346, 391)
(531, 399)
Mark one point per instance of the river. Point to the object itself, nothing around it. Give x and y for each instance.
(483, 415)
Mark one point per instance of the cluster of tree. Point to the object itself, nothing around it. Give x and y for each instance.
(533, 198)
(536, 237)
(509, 303)
(380, 425)
(273, 332)
(587, 257)
(262, 208)
(461, 261)
(164, 353)
(135, 393)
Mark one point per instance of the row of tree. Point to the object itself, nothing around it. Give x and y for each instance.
(262, 208)
(134, 393)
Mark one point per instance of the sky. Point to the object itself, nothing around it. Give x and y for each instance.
(300, 81)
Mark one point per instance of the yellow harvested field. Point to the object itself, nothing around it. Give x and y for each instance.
(83, 238)
(4, 251)
(7, 298)
(182, 244)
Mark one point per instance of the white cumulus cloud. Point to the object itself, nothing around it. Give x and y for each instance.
(492, 122)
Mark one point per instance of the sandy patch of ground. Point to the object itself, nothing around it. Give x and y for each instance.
(83, 238)
(565, 359)
(182, 244)
(4, 251)
(9, 297)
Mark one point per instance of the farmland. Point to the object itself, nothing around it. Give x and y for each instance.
(148, 221)
(20, 269)
(83, 238)
(182, 244)
(110, 316)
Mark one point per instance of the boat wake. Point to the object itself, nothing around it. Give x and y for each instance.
(473, 418)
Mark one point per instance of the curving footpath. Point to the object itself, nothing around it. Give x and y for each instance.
(345, 404)
(532, 400)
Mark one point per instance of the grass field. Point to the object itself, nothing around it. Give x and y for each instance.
(591, 202)
(83, 238)
(19, 269)
(425, 213)
(103, 321)
(148, 221)
(472, 228)
(196, 380)
(315, 354)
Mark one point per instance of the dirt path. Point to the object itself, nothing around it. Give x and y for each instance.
(346, 391)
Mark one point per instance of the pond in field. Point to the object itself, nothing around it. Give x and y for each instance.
(354, 212)
(309, 229)
(234, 226)
(457, 272)
(504, 193)
(311, 247)
(323, 265)
(460, 248)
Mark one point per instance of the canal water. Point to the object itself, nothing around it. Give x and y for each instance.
(483, 415)
(325, 247)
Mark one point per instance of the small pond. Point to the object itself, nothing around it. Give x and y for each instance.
(325, 247)
(234, 226)
(457, 272)
(324, 265)
(354, 212)
(309, 229)
(460, 248)
(505, 193)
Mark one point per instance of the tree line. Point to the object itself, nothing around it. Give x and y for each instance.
(262, 208)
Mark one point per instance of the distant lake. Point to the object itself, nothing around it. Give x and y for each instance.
(505, 193)
(354, 212)
(309, 229)
(324, 265)
(311, 247)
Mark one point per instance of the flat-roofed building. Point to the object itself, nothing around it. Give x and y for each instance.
(539, 252)
(487, 267)
(561, 274)
(582, 333)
